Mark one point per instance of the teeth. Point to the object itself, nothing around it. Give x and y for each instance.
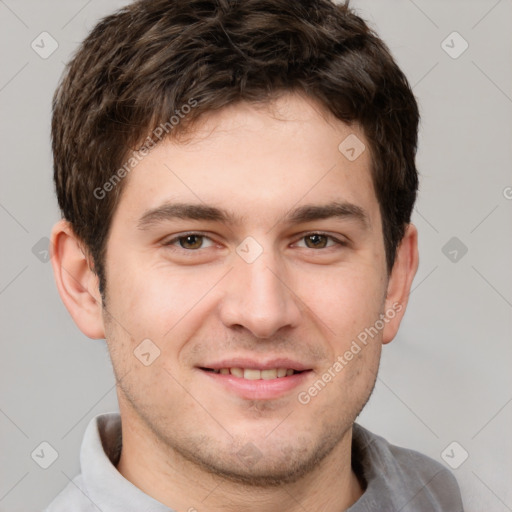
(252, 374)
(269, 374)
(237, 372)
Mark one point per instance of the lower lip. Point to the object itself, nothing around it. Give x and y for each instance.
(259, 389)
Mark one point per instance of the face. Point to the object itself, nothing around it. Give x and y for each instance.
(252, 250)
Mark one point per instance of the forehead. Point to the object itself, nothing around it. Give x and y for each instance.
(257, 162)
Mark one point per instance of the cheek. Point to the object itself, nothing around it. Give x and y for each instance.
(161, 303)
(347, 299)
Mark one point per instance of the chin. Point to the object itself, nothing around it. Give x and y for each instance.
(272, 465)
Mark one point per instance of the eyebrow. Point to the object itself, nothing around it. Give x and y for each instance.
(170, 211)
(335, 209)
(302, 214)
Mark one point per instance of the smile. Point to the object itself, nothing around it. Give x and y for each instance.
(254, 373)
(254, 383)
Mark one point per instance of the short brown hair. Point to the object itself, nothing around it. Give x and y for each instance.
(140, 66)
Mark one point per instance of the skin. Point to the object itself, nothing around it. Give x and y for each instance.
(182, 431)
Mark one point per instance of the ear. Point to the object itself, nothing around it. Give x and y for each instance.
(400, 281)
(77, 283)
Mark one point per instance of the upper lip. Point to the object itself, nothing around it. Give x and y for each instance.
(244, 362)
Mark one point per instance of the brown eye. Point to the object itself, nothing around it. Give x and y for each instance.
(316, 241)
(191, 241)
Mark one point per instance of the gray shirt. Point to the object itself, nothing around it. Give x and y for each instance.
(395, 479)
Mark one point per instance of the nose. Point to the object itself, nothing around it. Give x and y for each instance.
(259, 297)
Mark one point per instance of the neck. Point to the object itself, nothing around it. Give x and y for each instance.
(165, 475)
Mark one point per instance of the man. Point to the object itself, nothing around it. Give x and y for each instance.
(236, 181)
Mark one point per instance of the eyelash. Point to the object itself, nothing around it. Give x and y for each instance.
(176, 240)
(337, 242)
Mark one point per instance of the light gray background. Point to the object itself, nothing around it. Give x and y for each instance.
(445, 378)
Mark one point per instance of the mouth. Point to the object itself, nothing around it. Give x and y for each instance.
(255, 373)
(251, 380)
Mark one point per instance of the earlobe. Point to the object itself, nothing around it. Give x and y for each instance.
(400, 281)
(76, 281)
